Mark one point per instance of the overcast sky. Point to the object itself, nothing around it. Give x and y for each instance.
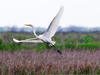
(40, 12)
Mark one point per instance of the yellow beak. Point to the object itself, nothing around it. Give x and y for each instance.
(27, 24)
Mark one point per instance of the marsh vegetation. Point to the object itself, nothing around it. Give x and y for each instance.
(80, 54)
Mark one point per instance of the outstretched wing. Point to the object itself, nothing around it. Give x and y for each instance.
(28, 40)
(54, 24)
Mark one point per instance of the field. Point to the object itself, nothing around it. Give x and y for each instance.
(80, 55)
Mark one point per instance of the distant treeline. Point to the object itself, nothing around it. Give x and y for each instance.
(60, 29)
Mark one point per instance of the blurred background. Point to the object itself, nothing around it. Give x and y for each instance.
(77, 37)
(80, 20)
(40, 13)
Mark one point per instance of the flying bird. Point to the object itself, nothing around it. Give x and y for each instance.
(48, 34)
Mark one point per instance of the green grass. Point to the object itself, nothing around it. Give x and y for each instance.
(89, 46)
(87, 41)
(69, 44)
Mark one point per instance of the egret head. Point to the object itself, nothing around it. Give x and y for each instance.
(28, 25)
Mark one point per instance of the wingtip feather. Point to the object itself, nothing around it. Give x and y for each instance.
(15, 40)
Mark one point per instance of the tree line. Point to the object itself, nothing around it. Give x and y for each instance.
(41, 30)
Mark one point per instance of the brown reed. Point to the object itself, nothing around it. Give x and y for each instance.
(45, 62)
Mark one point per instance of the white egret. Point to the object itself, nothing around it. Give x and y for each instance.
(46, 37)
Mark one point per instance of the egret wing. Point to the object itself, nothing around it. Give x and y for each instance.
(54, 24)
(28, 40)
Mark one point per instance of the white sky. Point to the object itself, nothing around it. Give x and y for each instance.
(40, 12)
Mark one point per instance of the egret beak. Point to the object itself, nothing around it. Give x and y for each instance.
(27, 24)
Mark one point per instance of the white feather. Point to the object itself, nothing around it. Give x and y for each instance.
(28, 40)
(51, 30)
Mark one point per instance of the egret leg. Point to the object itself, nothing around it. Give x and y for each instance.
(56, 49)
(53, 47)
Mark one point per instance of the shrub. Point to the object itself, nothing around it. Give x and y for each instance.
(2, 46)
(13, 46)
(70, 44)
(91, 46)
(57, 38)
(0, 41)
(87, 39)
(60, 47)
(40, 47)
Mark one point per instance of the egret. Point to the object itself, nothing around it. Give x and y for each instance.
(48, 34)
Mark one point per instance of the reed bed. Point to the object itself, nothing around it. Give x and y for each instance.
(45, 62)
